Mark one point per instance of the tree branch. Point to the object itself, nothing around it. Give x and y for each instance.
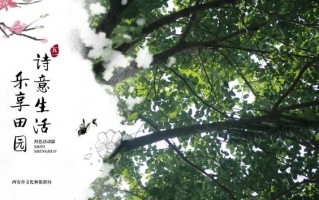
(183, 13)
(297, 106)
(2, 24)
(196, 95)
(33, 2)
(281, 194)
(253, 127)
(179, 47)
(173, 17)
(187, 28)
(256, 51)
(202, 64)
(30, 37)
(231, 125)
(125, 191)
(195, 167)
(294, 83)
(240, 73)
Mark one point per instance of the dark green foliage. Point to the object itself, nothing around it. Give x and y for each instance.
(268, 146)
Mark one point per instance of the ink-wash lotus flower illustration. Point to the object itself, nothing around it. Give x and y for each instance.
(107, 143)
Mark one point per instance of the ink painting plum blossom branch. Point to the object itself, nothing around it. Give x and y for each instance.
(19, 28)
(5, 4)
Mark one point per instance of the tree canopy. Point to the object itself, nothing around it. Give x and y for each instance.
(234, 82)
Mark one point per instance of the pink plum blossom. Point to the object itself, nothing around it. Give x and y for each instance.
(7, 3)
(18, 27)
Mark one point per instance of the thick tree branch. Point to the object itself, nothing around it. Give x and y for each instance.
(173, 17)
(298, 120)
(253, 127)
(179, 47)
(241, 124)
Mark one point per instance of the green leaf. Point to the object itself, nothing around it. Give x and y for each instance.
(132, 116)
(172, 115)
